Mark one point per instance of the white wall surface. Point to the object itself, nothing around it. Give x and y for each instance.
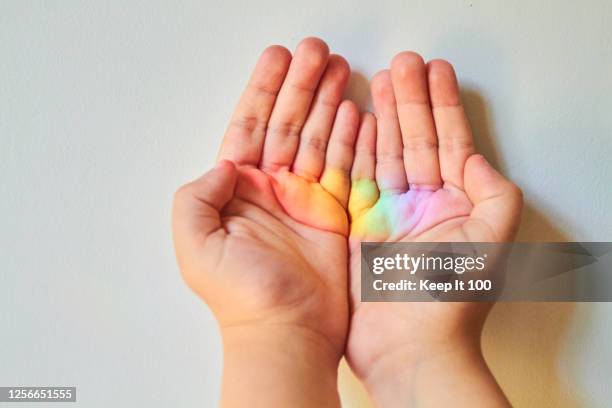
(106, 107)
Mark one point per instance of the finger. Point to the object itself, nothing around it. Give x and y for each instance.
(197, 205)
(364, 165)
(497, 202)
(409, 77)
(293, 103)
(390, 173)
(310, 157)
(243, 140)
(336, 176)
(364, 191)
(454, 134)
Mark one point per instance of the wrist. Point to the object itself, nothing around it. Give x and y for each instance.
(402, 361)
(453, 373)
(278, 365)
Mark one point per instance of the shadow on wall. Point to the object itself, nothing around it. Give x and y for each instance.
(522, 340)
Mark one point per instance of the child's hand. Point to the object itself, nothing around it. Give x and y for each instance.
(416, 178)
(264, 241)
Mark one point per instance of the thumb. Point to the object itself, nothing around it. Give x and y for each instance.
(195, 213)
(497, 201)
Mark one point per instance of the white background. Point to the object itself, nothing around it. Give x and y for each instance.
(107, 107)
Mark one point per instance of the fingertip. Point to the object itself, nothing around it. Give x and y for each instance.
(497, 201)
(272, 67)
(314, 42)
(477, 166)
(382, 89)
(340, 64)
(443, 85)
(215, 187)
(441, 66)
(349, 110)
(227, 172)
(276, 53)
(335, 79)
(406, 61)
(440, 72)
(381, 82)
(481, 176)
(314, 49)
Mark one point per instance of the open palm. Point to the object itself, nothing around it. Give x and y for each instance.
(416, 178)
(269, 242)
